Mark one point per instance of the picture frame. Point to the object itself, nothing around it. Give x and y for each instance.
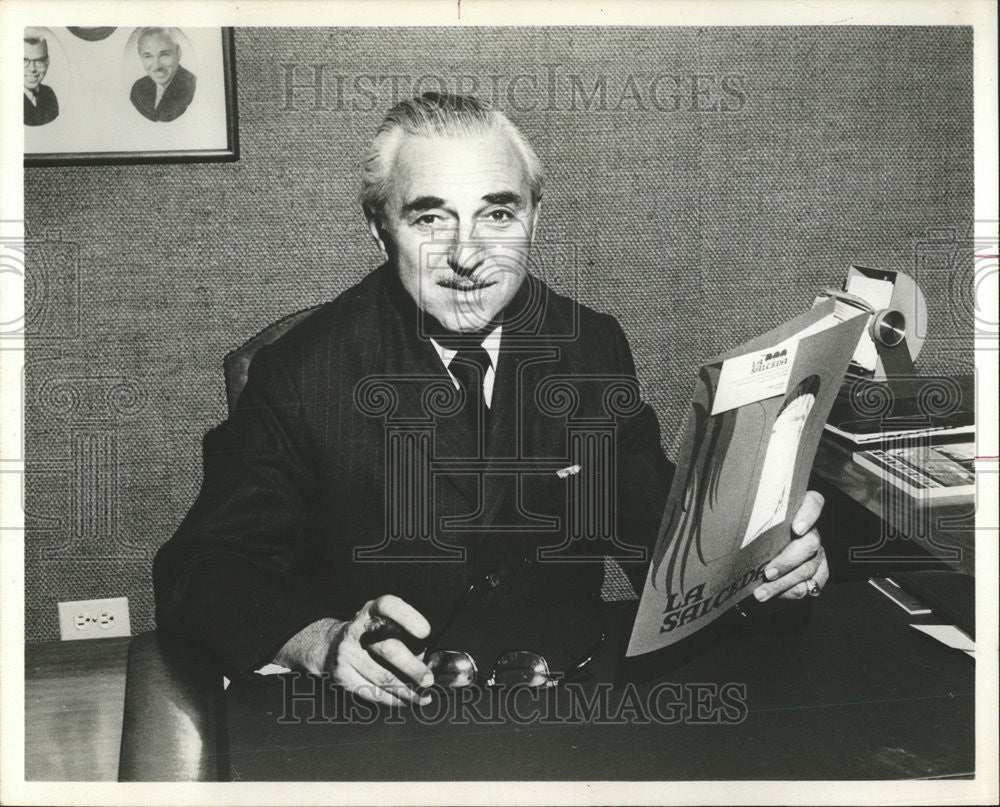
(101, 96)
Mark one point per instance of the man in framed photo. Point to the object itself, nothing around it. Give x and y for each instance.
(167, 89)
(40, 103)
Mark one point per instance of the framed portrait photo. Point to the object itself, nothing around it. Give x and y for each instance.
(129, 95)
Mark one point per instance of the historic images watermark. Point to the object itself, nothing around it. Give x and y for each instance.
(963, 263)
(51, 288)
(318, 87)
(312, 699)
(967, 262)
(413, 407)
(70, 499)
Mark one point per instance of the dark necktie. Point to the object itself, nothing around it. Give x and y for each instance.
(469, 367)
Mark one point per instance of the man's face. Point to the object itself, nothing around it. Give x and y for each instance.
(160, 57)
(458, 226)
(36, 64)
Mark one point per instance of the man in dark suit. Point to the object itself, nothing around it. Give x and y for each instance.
(167, 89)
(40, 103)
(448, 446)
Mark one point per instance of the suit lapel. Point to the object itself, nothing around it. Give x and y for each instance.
(150, 94)
(504, 438)
(173, 91)
(513, 433)
(423, 384)
(473, 469)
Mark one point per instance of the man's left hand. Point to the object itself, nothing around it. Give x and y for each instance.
(801, 568)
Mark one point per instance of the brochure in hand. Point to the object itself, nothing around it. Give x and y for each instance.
(752, 432)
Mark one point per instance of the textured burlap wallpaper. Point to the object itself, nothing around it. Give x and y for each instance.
(702, 184)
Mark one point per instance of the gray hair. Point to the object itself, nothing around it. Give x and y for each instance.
(148, 32)
(436, 114)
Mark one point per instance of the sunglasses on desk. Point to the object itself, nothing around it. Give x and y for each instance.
(457, 668)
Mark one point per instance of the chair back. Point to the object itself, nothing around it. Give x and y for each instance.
(236, 364)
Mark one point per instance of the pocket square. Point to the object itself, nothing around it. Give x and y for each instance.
(569, 470)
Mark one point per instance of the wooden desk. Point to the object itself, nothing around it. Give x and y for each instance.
(74, 696)
(843, 690)
(943, 528)
(837, 688)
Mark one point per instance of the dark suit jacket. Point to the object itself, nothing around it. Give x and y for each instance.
(297, 478)
(175, 98)
(47, 109)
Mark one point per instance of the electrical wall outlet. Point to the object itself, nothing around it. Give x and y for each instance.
(94, 619)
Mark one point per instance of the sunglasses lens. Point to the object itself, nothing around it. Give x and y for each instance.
(452, 668)
(522, 667)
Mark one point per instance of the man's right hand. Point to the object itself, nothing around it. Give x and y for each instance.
(383, 671)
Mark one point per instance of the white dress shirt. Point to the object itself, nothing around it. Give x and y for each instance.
(491, 344)
(160, 89)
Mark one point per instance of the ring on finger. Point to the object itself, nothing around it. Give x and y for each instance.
(378, 629)
(814, 588)
(374, 623)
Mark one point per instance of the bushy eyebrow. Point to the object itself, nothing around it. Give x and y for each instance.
(504, 198)
(422, 203)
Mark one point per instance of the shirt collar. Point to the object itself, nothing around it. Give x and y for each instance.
(491, 344)
(161, 89)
